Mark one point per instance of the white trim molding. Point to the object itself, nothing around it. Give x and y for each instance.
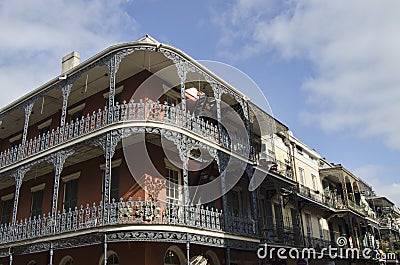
(118, 90)
(76, 109)
(7, 197)
(38, 187)
(114, 163)
(72, 176)
(15, 138)
(45, 124)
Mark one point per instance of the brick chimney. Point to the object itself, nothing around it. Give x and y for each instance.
(69, 61)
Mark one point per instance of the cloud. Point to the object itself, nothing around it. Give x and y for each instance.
(372, 174)
(353, 47)
(37, 34)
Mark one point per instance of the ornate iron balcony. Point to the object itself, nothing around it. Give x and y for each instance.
(126, 112)
(126, 213)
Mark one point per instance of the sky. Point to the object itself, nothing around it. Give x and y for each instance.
(329, 69)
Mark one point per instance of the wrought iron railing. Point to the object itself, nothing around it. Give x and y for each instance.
(313, 195)
(388, 223)
(317, 242)
(285, 235)
(132, 111)
(126, 213)
(355, 207)
(285, 169)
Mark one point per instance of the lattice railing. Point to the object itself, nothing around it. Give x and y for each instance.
(126, 213)
(132, 111)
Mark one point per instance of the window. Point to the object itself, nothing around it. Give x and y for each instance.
(77, 112)
(118, 99)
(171, 258)
(114, 189)
(6, 209)
(171, 96)
(296, 225)
(170, 100)
(279, 219)
(15, 141)
(174, 256)
(71, 194)
(301, 173)
(172, 188)
(262, 208)
(44, 127)
(299, 149)
(115, 179)
(112, 258)
(308, 224)
(235, 203)
(117, 95)
(321, 231)
(212, 258)
(269, 218)
(67, 261)
(314, 182)
(77, 116)
(44, 130)
(37, 202)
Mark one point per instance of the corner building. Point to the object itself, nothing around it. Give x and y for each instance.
(76, 186)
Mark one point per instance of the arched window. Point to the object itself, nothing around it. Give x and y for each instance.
(112, 258)
(32, 262)
(67, 260)
(174, 256)
(212, 258)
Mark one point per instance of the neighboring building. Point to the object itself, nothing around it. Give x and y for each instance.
(388, 216)
(75, 187)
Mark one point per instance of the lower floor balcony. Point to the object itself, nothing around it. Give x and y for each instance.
(124, 214)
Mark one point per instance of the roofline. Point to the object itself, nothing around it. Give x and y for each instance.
(304, 146)
(107, 51)
(381, 197)
(251, 103)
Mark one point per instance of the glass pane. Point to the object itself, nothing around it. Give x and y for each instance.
(171, 258)
(6, 211)
(114, 189)
(37, 202)
(71, 194)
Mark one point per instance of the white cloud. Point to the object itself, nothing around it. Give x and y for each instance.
(353, 47)
(372, 174)
(36, 34)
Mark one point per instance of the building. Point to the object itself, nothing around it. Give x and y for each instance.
(117, 160)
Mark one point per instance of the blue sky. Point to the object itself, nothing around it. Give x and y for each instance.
(329, 69)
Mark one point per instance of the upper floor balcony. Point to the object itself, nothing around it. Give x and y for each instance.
(145, 113)
(344, 190)
(168, 87)
(315, 196)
